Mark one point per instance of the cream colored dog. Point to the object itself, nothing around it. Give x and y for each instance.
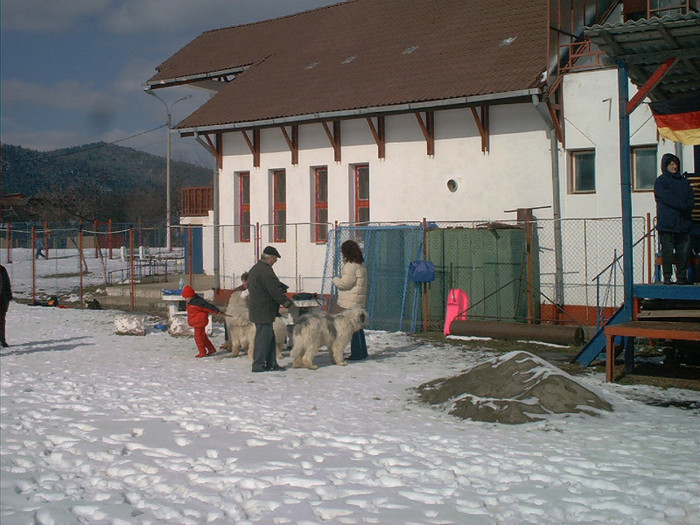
(312, 331)
(241, 332)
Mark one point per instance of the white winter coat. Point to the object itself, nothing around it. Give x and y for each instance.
(352, 286)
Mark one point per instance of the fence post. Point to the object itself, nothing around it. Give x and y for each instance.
(33, 264)
(649, 256)
(9, 240)
(189, 254)
(131, 261)
(425, 285)
(97, 240)
(46, 239)
(80, 260)
(109, 238)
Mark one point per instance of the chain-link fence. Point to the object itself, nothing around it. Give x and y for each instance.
(74, 257)
(508, 268)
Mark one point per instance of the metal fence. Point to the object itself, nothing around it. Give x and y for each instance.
(504, 278)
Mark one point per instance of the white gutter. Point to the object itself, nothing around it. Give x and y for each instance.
(361, 112)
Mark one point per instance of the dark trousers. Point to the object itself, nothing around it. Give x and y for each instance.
(358, 345)
(265, 351)
(678, 243)
(3, 314)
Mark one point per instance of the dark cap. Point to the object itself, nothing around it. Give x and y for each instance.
(271, 250)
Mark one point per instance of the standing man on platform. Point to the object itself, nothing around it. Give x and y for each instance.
(675, 201)
(266, 296)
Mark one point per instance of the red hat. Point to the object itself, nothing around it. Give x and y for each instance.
(188, 292)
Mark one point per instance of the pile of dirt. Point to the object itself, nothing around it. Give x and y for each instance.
(517, 387)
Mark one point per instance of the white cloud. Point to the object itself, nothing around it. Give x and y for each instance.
(41, 16)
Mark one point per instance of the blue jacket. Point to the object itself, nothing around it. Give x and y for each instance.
(674, 199)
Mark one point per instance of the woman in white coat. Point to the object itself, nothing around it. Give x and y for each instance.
(352, 292)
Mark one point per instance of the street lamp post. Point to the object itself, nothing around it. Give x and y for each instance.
(168, 110)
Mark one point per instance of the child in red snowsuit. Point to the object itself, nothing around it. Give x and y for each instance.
(198, 310)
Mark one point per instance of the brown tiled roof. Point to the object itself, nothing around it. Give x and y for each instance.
(365, 54)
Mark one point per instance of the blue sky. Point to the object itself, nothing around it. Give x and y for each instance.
(72, 71)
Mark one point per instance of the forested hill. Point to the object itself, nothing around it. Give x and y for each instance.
(96, 181)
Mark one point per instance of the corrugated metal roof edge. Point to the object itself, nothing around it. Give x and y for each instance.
(646, 21)
(360, 112)
(175, 81)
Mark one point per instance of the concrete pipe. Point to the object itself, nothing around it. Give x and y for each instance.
(563, 335)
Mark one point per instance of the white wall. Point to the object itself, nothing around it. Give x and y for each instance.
(409, 185)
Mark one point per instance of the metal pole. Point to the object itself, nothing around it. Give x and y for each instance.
(625, 189)
(167, 184)
(168, 110)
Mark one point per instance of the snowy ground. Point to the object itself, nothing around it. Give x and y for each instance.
(101, 428)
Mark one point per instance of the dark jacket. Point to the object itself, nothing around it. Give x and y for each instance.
(266, 294)
(198, 310)
(5, 288)
(674, 199)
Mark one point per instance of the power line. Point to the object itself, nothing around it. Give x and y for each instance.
(103, 144)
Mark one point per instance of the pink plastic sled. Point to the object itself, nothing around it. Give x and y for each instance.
(457, 304)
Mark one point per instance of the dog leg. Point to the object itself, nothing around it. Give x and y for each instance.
(308, 358)
(297, 355)
(337, 354)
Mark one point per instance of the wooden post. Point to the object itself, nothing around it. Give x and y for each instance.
(109, 238)
(97, 240)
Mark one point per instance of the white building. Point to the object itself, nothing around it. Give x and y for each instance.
(387, 111)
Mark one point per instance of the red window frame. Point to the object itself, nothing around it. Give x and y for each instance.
(321, 204)
(361, 177)
(244, 206)
(279, 205)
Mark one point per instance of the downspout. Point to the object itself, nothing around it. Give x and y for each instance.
(215, 198)
(215, 269)
(556, 202)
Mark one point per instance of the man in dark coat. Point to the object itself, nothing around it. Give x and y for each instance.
(266, 296)
(5, 298)
(674, 204)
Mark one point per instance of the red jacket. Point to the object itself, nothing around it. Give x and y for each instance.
(198, 311)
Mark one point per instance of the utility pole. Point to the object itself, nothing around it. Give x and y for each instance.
(168, 110)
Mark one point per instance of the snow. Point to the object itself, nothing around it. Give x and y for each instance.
(114, 429)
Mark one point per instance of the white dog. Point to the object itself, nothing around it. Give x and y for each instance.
(241, 332)
(312, 331)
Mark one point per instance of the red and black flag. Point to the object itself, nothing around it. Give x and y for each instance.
(678, 120)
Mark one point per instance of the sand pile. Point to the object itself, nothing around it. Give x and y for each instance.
(517, 387)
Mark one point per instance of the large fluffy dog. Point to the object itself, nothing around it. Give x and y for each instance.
(312, 331)
(241, 332)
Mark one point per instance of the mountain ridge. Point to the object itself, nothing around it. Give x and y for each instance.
(96, 181)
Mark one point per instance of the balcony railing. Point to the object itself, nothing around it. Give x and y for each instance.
(196, 202)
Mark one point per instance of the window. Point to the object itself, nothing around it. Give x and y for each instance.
(279, 205)
(361, 193)
(321, 204)
(582, 169)
(643, 168)
(244, 206)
